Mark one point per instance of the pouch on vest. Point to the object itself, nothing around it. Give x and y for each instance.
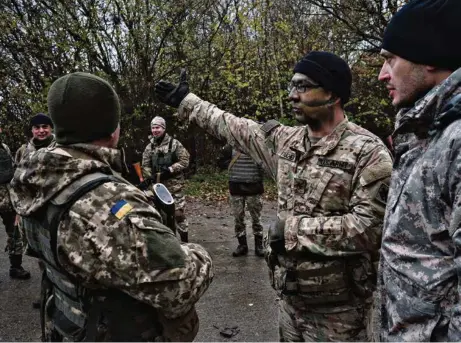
(6, 166)
(323, 281)
(163, 159)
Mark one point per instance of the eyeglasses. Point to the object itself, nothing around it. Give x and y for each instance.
(301, 87)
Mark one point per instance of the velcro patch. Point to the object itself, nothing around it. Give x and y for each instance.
(376, 172)
(288, 155)
(268, 126)
(382, 193)
(121, 209)
(343, 165)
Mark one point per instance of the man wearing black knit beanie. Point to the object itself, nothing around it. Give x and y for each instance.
(418, 285)
(332, 178)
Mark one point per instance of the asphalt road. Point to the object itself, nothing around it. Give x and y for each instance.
(240, 296)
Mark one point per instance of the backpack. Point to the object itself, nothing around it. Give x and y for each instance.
(6, 165)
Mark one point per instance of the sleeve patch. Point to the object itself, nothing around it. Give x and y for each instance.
(269, 126)
(121, 209)
(375, 173)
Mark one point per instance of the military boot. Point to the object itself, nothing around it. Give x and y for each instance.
(184, 237)
(259, 250)
(242, 248)
(16, 269)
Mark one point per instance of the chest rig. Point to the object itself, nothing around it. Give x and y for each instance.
(162, 159)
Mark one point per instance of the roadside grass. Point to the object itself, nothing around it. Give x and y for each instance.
(212, 185)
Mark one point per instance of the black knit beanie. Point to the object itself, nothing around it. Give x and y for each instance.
(40, 119)
(83, 108)
(329, 70)
(426, 32)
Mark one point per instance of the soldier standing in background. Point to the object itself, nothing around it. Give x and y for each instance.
(14, 245)
(41, 127)
(114, 272)
(245, 189)
(164, 160)
(332, 178)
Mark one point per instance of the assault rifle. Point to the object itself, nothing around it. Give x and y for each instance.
(160, 196)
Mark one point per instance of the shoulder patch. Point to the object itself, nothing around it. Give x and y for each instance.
(268, 126)
(377, 172)
(121, 209)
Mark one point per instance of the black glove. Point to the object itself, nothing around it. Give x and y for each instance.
(165, 173)
(277, 237)
(171, 94)
(144, 186)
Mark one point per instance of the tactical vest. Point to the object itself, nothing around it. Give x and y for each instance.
(77, 313)
(161, 159)
(244, 170)
(6, 166)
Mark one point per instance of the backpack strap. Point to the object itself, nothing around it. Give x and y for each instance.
(170, 145)
(62, 202)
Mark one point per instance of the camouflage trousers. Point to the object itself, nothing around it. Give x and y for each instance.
(322, 325)
(14, 244)
(254, 206)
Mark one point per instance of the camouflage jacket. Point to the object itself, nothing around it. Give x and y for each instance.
(132, 252)
(29, 147)
(5, 203)
(331, 195)
(181, 154)
(420, 266)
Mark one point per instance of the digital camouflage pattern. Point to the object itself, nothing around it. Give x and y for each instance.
(135, 254)
(419, 268)
(331, 196)
(29, 147)
(24, 149)
(254, 205)
(14, 243)
(176, 184)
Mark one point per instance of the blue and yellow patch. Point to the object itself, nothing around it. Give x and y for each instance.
(121, 209)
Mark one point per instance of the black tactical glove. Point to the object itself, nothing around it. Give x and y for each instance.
(144, 186)
(165, 173)
(172, 94)
(277, 237)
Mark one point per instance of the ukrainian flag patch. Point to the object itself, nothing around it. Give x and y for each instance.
(121, 209)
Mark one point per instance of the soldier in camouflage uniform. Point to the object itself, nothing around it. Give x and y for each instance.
(114, 272)
(14, 244)
(164, 160)
(419, 279)
(41, 127)
(332, 179)
(245, 190)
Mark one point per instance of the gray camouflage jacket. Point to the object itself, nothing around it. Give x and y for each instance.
(420, 263)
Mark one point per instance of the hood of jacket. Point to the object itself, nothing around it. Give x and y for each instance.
(433, 110)
(42, 175)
